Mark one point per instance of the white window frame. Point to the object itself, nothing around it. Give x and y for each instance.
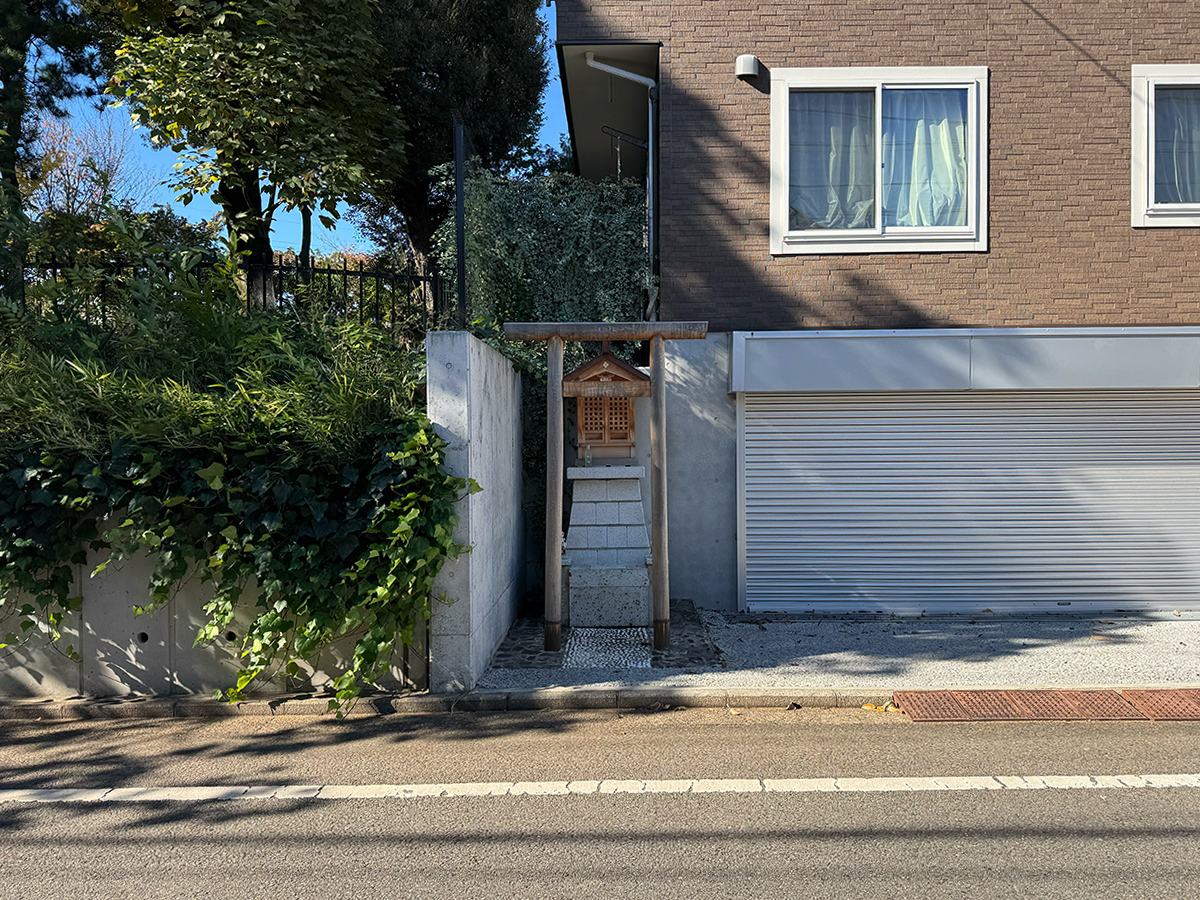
(1145, 212)
(972, 237)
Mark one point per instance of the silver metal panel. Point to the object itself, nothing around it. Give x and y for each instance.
(966, 359)
(1085, 361)
(951, 502)
(742, 598)
(880, 363)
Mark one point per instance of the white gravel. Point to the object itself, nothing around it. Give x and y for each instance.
(902, 653)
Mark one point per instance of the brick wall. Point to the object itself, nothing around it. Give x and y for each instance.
(1062, 251)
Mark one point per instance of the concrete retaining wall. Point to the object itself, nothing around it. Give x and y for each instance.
(154, 654)
(702, 472)
(474, 401)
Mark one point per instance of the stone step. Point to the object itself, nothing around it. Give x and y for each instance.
(610, 597)
(608, 537)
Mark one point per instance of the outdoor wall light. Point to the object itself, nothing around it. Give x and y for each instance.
(746, 67)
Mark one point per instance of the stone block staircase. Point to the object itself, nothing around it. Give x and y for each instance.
(608, 549)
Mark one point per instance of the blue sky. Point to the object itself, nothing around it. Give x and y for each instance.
(286, 230)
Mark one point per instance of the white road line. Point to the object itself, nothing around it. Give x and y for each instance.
(199, 793)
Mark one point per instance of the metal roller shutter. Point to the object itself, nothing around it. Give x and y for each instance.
(953, 502)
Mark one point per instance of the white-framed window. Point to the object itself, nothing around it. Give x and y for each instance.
(1166, 146)
(879, 160)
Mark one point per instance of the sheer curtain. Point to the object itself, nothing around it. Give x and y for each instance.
(925, 157)
(832, 159)
(1177, 145)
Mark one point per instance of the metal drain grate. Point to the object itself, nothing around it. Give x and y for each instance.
(1044, 706)
(930, 706)
(1101, 706)
(1172, 706)
(990, 706)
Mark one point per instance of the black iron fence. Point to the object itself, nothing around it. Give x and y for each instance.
(91, 289)
(405, 300)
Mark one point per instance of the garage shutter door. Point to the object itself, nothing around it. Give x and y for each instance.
(952, 502)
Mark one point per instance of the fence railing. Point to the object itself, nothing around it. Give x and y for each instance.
(404, 300)
(387, 297)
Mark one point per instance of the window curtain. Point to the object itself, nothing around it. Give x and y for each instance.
(832, 161)
(925, 157)
(1177, 145)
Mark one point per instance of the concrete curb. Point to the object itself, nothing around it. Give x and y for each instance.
(559, 698)
(567, 698)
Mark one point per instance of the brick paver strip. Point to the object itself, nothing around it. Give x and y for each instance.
(1102, 706)
(1046, 705)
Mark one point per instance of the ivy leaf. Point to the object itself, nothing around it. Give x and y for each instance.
(212, 475)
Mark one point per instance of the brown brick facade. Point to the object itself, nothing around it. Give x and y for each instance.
(1062, 251)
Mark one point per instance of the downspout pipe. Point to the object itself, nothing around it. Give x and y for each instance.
(651, 182)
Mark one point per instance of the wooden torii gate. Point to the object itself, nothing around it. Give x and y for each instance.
(555, 334)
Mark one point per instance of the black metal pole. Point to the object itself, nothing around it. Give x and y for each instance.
(460, 218)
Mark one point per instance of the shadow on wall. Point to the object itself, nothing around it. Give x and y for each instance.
(715, 234)
(714, 172)
(122, 653)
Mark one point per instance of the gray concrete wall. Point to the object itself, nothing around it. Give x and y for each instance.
(701, 472)
(154, 654)
(474, 402)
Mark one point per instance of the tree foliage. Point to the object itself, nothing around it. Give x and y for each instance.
(279, 99)
(485, 60)
(46, 57)
(80, 171)
(80, 166)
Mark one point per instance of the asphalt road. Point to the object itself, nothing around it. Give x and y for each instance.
(1142, 843)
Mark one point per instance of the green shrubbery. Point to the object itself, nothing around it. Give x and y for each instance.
(286, 453)
(552, 248)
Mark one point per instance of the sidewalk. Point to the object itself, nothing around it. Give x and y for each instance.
(873, 655)
(764, 660)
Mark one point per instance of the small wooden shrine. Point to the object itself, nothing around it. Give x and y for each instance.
(604, 389)
(615, 381)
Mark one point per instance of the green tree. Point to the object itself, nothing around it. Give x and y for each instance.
(485, 60)
(270, 106)
(45, 58)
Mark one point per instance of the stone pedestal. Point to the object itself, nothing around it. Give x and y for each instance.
(609, 549)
